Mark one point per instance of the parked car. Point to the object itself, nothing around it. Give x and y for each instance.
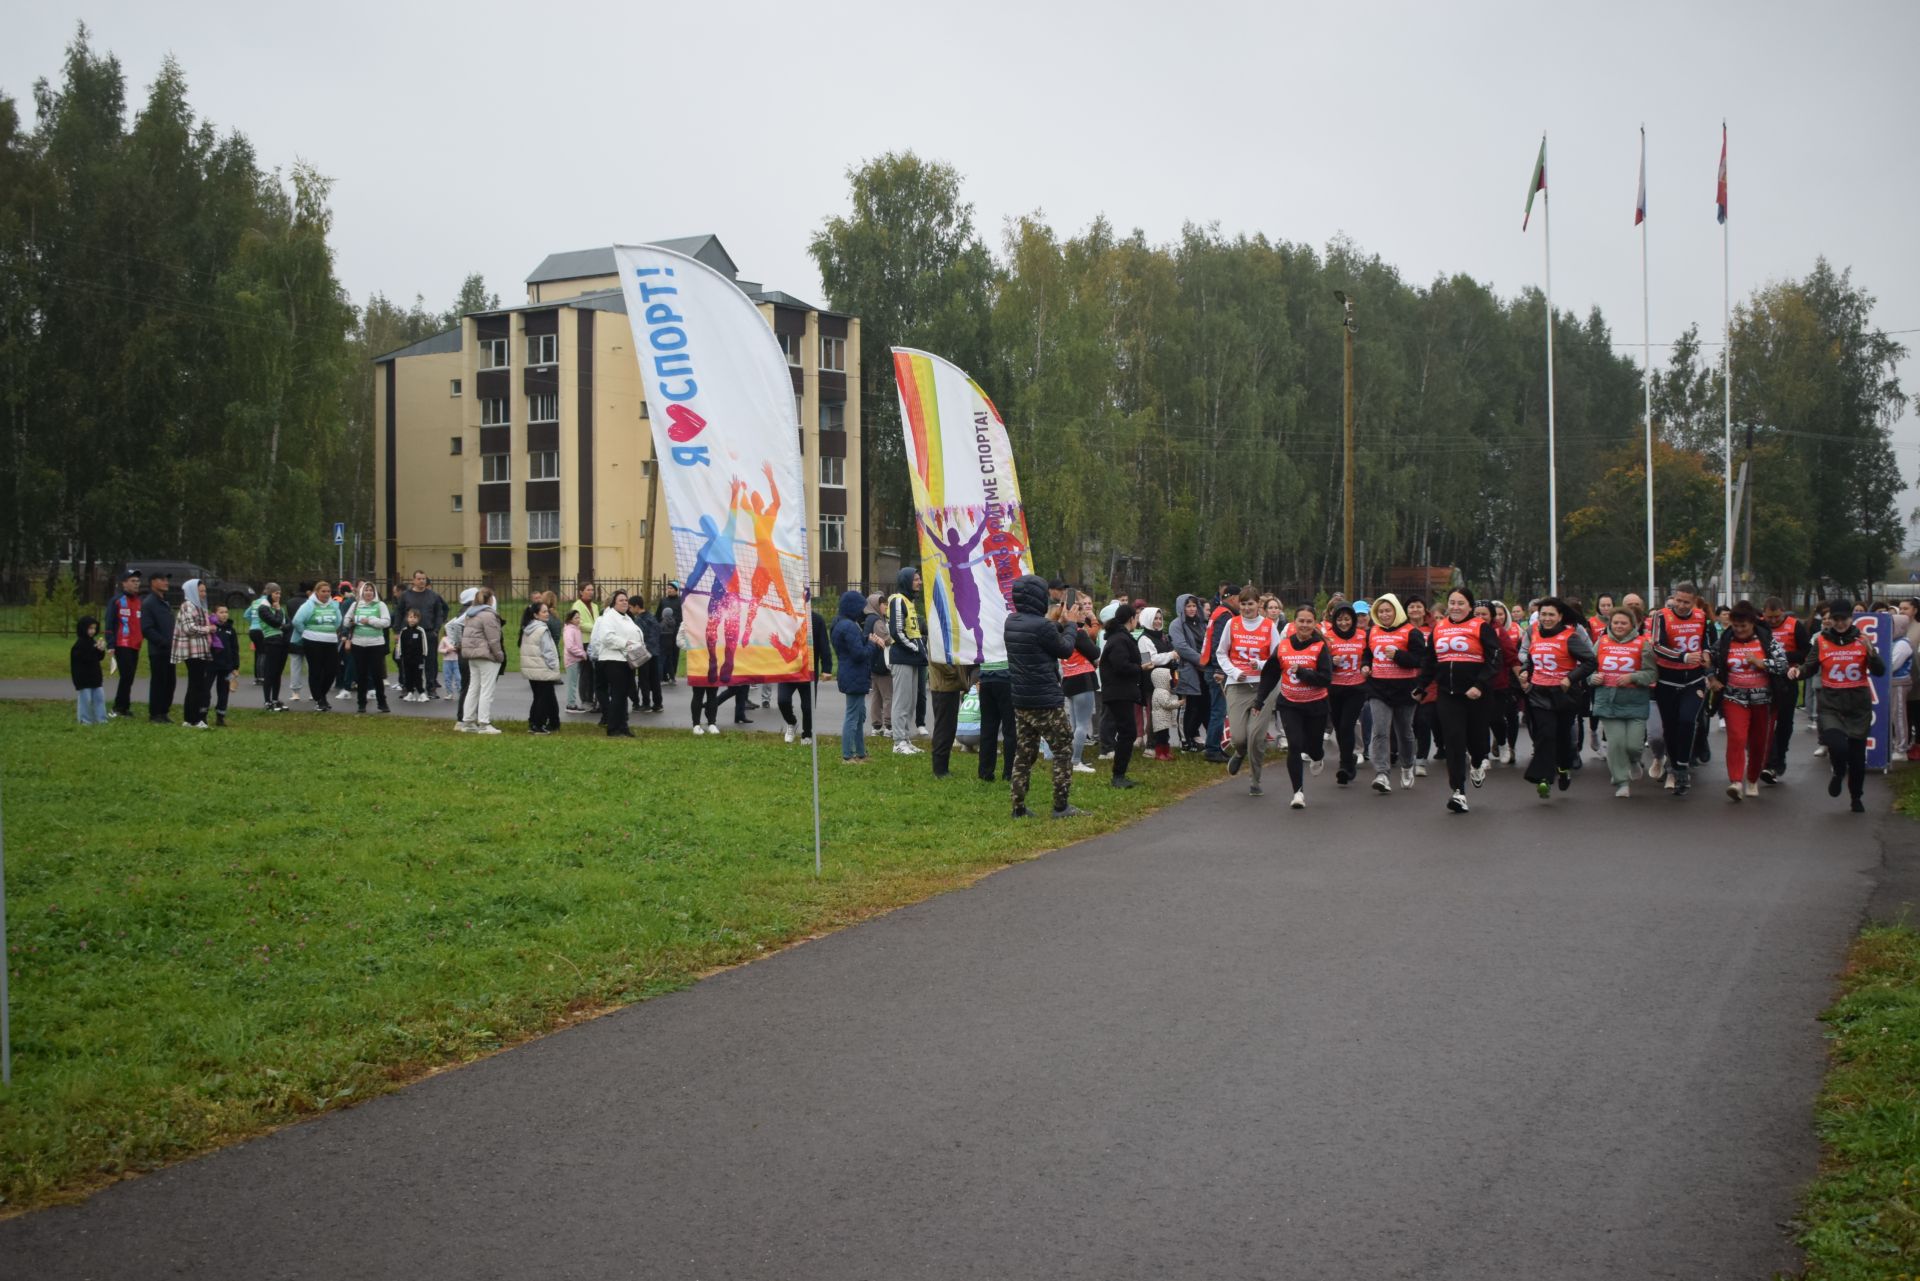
(219, 590)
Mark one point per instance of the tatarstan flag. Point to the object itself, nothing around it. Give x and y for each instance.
(1537, 183)
(1720, 192)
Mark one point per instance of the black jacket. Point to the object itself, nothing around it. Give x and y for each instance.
(276, 619)
(85, 660)
(1035, 646)
(1319, 675)
(822, 645)
(1122, 680)
(1458, 678)
(156, 626)
(227, 658)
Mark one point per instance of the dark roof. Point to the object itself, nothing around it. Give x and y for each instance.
(437, 345)
(782, 298)
(577, 264)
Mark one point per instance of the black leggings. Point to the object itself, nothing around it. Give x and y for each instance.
(649, 679)
(609, 676)
(1505, 721)
(1305, 725)
(1117, 734)
(1556, 741)
(1343, 707)
(805, 689)
(546, 707)
(370, 674)
(1847, 756)
(1193, 718)
(706, 704)
(323, 662)
(1463, 722)
(273, 662)
(1426, 731)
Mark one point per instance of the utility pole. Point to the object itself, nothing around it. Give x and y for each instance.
(1347, 328)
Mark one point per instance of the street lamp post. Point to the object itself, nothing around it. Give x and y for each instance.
(1347, 326)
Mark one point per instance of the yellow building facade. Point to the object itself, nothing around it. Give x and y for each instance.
(515, 450)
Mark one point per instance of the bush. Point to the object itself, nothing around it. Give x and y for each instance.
(56, 609)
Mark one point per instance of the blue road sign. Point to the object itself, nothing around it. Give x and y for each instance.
(339, 533)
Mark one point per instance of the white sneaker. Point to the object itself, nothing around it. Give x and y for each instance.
(1299, 801)
(1820, 750)
(294, 697)
(1419, 771)
(698, 730)
(1734, 791)
(1406, 777)
(1620, 790)
(1656, 767)
(902, 747)
(1081, 767)
(713, 729)
(806, 741)
(1509, 755)
(445, 696)
(485, 728)
(1753, 789)
(1314, 767)
(463, 727)
(1478, 773)
(1381, 785)
(1639, 770)
(789, 733)
(1458, 802)
(1669, 782)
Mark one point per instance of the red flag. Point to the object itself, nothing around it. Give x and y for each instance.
(1720, 196)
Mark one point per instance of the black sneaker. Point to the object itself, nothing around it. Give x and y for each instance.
(1342, 777)
(1021, 811)
(1072, 811)
(1121, 780)
(1566, 780)
(1835, 783)
(1768, 777)
(1254, 790)
(1216, 758)
(1859, 806)
(1234, 763)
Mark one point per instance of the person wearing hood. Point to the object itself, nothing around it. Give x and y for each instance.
(1396, 651)
(908, 651)
(156, 626)
(1121, 674)
(85, 663)
(859, 652)
(874, 619)
(1302, 669)
(1189, 636)
(1843, 659)
(1460, 664)
(647, 679)
(1161, 660)
(368, 622)
(1347, 645)
(540, 664)
(484, 648)
(193, 645)
(1038, 637)
(1556, 657)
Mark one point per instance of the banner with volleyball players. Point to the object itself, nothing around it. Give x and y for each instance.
(721, 403)
(966, 502)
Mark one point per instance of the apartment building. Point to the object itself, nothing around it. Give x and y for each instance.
(516, 447)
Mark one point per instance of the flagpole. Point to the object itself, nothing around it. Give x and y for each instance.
(1646, 360)
(1726, 359)
(1553, 489)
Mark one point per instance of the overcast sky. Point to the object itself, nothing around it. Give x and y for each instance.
(481, 136)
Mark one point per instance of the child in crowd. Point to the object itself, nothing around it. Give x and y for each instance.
(89, 684)
(225, 642)
(1166, 714)
(449, 669)
(576, 651)
(413, 660)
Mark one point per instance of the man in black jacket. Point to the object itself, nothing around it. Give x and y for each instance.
(156, 628)
(433, 616)
(1793, 637)
(1035, 646)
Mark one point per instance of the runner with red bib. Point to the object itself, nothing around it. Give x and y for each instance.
(1556, 657)
(1347, 643)
(1680, 649)
(1461, 666)
(1845, 660)
(1395, 651)
(1746, 663)
(1793, 638)
(1246, 643)
(1302, 670)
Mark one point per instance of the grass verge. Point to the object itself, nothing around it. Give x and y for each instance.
(213, 933)
(33, 656)
(1861, 1220)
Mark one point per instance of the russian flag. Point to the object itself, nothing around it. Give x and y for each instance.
(1720, 197)
(1640, 205)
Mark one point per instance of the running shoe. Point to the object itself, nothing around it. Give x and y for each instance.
(1734, 791)
(1381, 785)
(1299, 801)
(1620, 790)
(1457, 802)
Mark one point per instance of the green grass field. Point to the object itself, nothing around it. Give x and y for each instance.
(211, 933)
(1861, 1220)
(29, 656)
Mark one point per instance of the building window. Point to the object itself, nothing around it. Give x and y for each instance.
(833, 354)
(833, 472)
(799, 408)
(543, 407)
(493, 411)
(646, 468)
(459, 502)
(543, 527)
(643, 529)
(453, 387)
(499, 527)
(494, 469)
(790, 345)
(456, 445)
(833, 533)
(459, 560)
(833, 415)
(493, 353)
(544, 465)
(543, 349)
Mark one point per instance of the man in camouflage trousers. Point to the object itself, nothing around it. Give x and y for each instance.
(1040, 634)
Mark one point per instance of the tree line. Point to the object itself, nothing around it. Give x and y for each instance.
(181, 373)
(1177, 408)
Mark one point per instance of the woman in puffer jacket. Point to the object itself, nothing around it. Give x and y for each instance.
(540, 664)
(486, 652)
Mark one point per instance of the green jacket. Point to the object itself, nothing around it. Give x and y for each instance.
(1626, 702)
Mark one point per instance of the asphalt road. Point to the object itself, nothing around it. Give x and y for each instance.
(1572, 1039)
